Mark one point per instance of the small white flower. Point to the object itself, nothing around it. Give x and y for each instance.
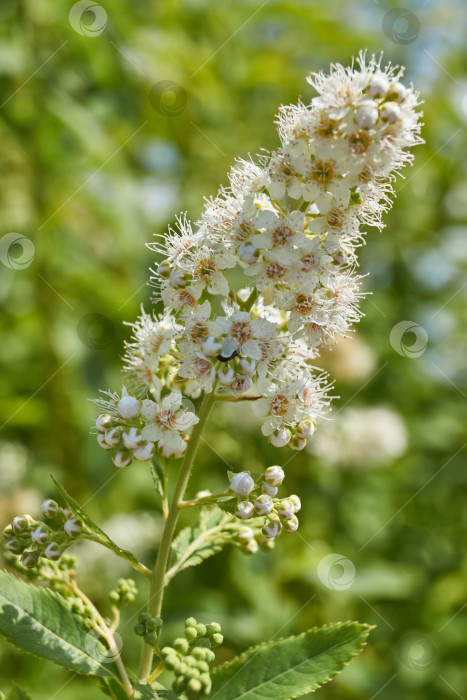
(245, 534)
(250, 547)
(274, 476)
(245, 510)
(131, 438)
(128, 407)
(144, 452)
(149, 409)
(242, 483)
(112, 437)
(103, 422)
(264, 504)
(296, 503)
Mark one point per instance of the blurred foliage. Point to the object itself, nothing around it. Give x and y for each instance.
(97, 153)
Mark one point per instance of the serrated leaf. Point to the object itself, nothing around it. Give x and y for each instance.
(292, 667)
(195, 544)
(93, 527)
(144, 691)
(38, 621)
(158, 477)
(112, 688)
(17, 693)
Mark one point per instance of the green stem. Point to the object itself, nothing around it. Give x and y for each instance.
(156, 590)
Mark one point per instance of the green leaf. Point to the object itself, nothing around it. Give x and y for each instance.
(158, 477)
(292, 667)
(38, 621)
(93, 527)
(144, 691)
(195, 544)
(17, 693)
(111, 687)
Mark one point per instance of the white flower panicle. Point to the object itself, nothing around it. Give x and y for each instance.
(268, 275)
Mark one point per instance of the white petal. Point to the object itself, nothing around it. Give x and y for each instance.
(219, 284)
(252, 349)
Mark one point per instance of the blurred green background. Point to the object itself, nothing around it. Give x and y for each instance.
(113, 120)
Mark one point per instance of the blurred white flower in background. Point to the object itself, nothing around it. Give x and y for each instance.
(361, 437)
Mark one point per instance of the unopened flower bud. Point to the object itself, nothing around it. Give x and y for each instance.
(390, 112)
(191, 633)
(397, 92)
(290, 525)
(226, 375)
(242, 483)
(144, 452)
(201, 629)
(217, 639)
(39, 535)
(50, 508)
(8, 530)
(295, 501)
(270, 490)
(250, 547)
(211, 347)
(274, 476)
(378, 86)
(14, 545)
(280, 438)
(285, 509)
(30, 558)
(101, 439)
(245, 534)
(103, 422)
(272, 527)
(181, 644)
(367, 114)
(264, 504)
(131, 438)
(296, 443)
(305, 429)
(112, 437)
(247, 367)
(121, 459)
(139, 629)
(247, 253)
(214, 627)
(52, 551)
(73, 527)
(128, 407)
(20, 524)
(178, 278)
(194, 686)
(245, 510)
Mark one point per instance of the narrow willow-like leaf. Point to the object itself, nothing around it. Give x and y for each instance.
(17, 693)
(38, 621)
(195, 544)
(84, 517)
(110, 687)
(292, 667)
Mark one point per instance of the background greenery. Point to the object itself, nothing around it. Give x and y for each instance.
(97, 154)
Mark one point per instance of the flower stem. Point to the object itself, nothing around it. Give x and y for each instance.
(156, 590)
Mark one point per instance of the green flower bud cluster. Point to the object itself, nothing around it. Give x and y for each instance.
(262, 501)
(124, 593)
(190, 657)
(149, 628)
(32, 539)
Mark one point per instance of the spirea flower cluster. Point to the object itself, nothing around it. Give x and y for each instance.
(268, 275)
